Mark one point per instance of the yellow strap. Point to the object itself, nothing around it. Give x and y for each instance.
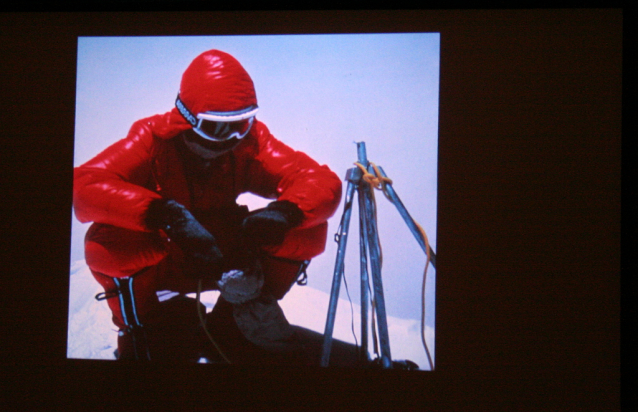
(376, 181)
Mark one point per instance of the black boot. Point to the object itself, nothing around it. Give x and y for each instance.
(228, 339)
(222, 323)
(172, 333)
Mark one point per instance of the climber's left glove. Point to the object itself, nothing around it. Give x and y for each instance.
(268, 226)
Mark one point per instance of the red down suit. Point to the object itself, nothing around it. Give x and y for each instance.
(115, 188)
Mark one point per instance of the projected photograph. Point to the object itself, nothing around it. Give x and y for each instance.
(263, 199)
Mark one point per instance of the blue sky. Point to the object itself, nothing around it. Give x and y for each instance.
(318, 94)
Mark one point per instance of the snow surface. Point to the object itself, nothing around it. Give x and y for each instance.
(92, 335)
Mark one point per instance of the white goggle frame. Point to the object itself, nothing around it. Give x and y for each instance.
(223, 117)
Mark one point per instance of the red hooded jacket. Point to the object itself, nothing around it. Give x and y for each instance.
(116, 187)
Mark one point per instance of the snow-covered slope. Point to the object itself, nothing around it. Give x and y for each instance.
(92, 335)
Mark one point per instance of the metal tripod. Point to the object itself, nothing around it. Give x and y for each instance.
(369, 248)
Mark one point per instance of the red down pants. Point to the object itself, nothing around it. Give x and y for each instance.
(146, 263)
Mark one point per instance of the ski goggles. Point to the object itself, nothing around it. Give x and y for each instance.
(219, 126)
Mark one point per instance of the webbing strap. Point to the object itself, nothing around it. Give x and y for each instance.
(377, 180)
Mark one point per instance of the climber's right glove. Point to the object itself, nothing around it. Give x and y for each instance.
(203, 257)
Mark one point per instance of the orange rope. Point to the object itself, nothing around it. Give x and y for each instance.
(425, 271)
(379, 182)
(376, 181)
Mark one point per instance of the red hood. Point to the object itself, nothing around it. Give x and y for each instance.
(214, 81)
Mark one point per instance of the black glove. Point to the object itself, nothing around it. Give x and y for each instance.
(269, 225)
(203, 257)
